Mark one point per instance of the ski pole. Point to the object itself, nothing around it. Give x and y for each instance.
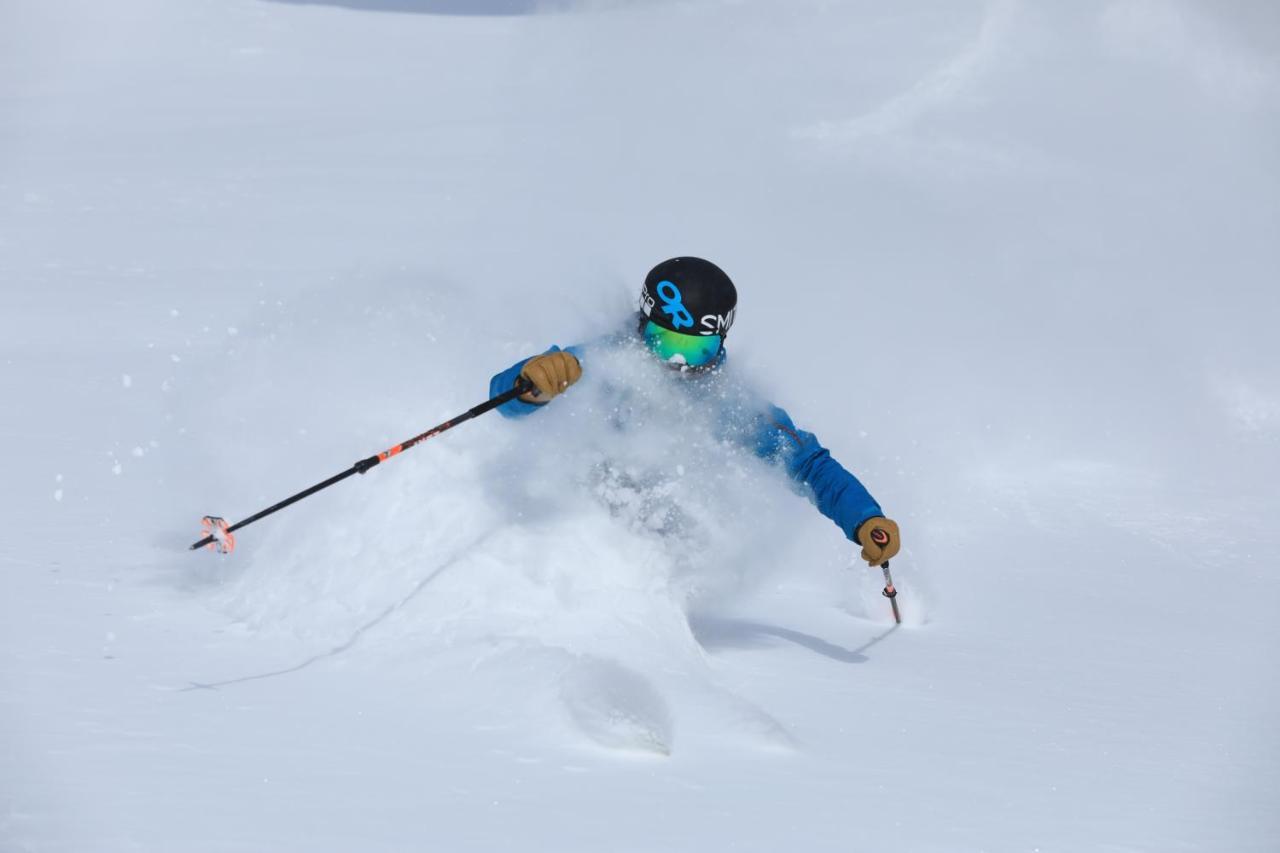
(218, 534)
(881, 538)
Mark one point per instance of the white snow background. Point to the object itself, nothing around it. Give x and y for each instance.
(1015, 263)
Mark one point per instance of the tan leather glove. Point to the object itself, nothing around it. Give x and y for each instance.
(550, 374)
(880, 540)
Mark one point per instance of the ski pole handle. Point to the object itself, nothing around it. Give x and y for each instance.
(881, 538)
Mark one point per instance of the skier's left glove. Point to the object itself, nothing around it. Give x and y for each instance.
(879, 539)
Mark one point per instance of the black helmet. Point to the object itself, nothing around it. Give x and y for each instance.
(690, 296)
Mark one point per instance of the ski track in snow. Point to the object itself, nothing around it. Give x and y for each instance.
(355, 635)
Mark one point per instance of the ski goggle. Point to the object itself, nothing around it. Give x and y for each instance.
(680, 350)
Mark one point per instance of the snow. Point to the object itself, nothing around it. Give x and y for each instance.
(1013, 262)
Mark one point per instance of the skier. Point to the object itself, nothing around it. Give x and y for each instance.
(687, 306)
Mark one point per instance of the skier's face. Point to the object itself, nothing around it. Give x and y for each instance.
(683, 352)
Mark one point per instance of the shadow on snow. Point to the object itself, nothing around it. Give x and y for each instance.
(714, 632)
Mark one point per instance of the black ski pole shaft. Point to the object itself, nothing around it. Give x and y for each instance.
(361, 467)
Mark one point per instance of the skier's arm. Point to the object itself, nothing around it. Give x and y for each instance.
(566, 371)
(838, 494)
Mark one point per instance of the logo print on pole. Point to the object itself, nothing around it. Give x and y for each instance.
(673, 305)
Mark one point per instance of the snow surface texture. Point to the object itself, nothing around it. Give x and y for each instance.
(1015, 263)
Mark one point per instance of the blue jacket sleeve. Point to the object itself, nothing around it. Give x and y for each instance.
(506, 380)
(839, 495)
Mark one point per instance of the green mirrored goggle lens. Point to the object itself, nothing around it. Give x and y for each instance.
(681, 350)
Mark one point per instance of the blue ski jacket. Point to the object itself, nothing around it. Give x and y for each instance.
(769, 433)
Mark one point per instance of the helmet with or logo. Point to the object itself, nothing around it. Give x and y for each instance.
(689, 296)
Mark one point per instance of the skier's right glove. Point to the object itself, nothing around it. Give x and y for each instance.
(550, 374)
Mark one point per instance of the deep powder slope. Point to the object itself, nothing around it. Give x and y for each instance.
(1013, 264)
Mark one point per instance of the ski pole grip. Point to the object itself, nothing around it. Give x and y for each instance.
(880, 538)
